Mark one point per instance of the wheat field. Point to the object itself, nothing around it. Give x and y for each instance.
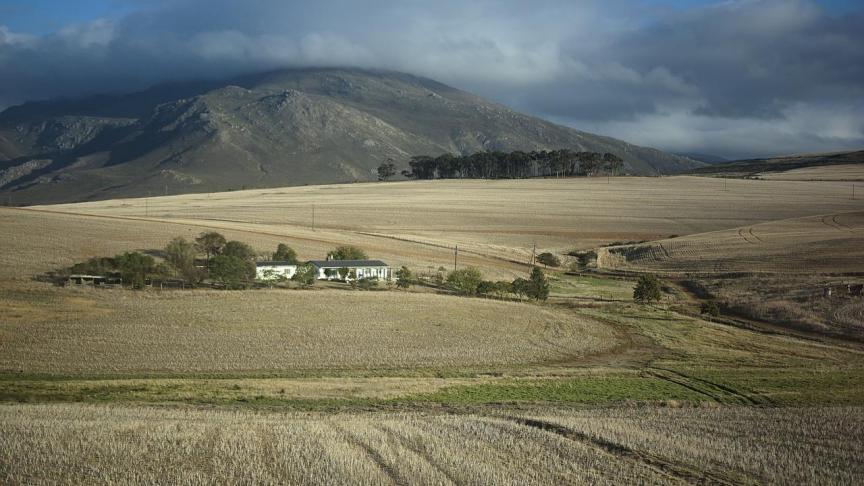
(830, 243)
(71, 444)
(409, 222)
(72, 331)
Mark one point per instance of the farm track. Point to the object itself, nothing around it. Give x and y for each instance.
(716, 391)
(406, 443)
(674, 471)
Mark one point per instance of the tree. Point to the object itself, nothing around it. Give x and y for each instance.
(520, 287)
(367, 283)
(238, 249)
(232, 270)
(305, 275)
(285, 253)
(710, 309)
(647, 289)
(135, 267)
(181, 255)
(210, 243)
(344, 272)
(404, 278)
(464, 281)
(548, 259)
(539, 286)
(347, 252)
(614, 164)
(386, 170)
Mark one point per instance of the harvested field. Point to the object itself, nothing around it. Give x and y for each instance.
(850, 172)
(41, 444)
(832, 243)
(501, 218)
(109, 332)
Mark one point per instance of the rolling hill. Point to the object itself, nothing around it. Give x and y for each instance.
(781, 164)
(286, 127)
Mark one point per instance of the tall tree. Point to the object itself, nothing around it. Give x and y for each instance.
(181, 255)
(647, 289)
(135, 267)
(285, 253)
(210, 243)
(232, 270)
(539, 286)
(239, 250)
(386, 170)
(347, 252)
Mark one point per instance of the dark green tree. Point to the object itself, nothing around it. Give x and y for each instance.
(710, 308)
(647, 289)
(285, 253)
(231, 270)
(347, 252)
(464, 281)
(135, 267)
(548, 259)
(520, 287)
(404, 278)
(386, 170)
(238, 249)
(210, 243)
(539, 286)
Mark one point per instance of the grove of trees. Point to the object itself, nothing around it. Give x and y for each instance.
(513, 165)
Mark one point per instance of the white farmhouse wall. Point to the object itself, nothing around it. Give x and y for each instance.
(287, 270)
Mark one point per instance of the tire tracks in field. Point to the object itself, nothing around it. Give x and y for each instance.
(373, 454)
(699, 385)
(665, 467)
(743, 235)
(406, 443)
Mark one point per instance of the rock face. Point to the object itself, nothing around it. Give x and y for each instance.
(287, 127)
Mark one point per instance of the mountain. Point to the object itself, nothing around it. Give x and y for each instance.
(286, 127)
(752, 167)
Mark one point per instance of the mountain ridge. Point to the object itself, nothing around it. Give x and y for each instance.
(283, 127)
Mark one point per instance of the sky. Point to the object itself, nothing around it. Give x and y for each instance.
(732, 78)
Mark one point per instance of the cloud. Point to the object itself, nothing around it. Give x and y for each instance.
(746, 77)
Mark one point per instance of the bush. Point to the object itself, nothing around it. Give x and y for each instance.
(549, 259)
(305, 275)
(367, 283)
(464, 281)
(404, 278)
(710, 308)
(647, 289)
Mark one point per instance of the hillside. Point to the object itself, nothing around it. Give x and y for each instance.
(782, 164)
(288, 127)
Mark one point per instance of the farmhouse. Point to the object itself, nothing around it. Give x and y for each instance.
(357, 269)
(271, 270)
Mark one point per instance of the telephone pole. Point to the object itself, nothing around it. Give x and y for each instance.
(455, 256)
(533, 253)
(313, 217)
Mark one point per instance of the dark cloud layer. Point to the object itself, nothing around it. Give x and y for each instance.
(737, 78)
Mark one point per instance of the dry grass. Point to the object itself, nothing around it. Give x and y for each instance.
(70, 331)
(500, 218)
(47, 444)
(832, 243)
(775, 446)
(846, 172)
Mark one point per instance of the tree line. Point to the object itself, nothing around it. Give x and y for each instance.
(507, 165)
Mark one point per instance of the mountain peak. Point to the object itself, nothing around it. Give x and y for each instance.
(284, 127)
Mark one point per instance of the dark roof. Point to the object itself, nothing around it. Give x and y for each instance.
(347, 263)
(269, 263)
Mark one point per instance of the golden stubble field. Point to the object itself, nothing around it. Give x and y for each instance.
(118, 332)
(644, 445)
(409, 222)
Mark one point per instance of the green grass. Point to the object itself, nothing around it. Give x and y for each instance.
(582, 390)
(581, 286)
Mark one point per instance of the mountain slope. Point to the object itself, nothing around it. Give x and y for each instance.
(285, 127)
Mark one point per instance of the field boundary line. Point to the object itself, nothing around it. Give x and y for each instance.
(664, 466)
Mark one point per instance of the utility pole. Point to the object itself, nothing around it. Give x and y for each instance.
(533, 253)
(853, 193)
(166, 189)
(455, 256)
(724, 184)
(146, 207)
(313, 217)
